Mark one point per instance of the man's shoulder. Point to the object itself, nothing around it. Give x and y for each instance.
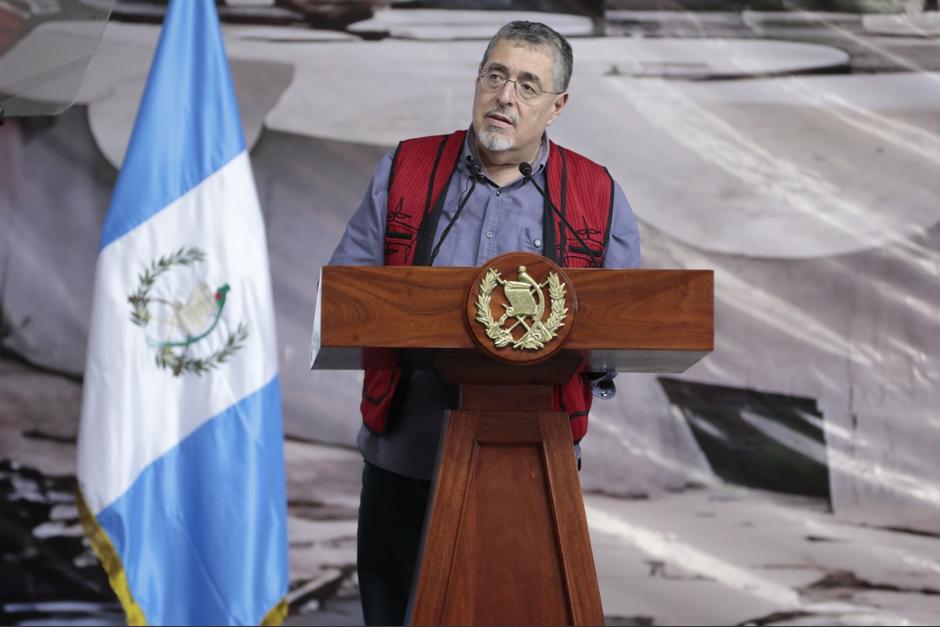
(420, 154)
(574, 158)
(433, 139)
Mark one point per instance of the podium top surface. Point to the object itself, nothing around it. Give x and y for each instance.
(627, 320)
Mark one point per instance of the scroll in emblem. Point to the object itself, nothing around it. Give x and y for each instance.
(524, 310)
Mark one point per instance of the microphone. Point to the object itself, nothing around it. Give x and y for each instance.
(526, 170)
(476, 176)
(476, 170)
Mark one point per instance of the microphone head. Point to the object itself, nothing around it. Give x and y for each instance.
(526, 169)
(476, 170)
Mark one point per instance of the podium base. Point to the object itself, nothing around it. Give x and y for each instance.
(506, 541)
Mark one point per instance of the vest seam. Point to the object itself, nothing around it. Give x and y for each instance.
(563, 244)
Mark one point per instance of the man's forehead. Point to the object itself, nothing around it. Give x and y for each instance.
(519, 56)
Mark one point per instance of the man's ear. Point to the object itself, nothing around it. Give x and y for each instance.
(557, 107)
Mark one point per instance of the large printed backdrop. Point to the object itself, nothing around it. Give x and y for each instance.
(812, 196)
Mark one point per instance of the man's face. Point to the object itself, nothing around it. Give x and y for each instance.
(502, 120)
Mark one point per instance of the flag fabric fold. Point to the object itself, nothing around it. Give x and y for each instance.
(180, 458)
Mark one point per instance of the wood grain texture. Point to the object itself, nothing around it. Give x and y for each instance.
(628, 320)
(571, 522)
(478, 368)
(394, 307)
(505, 397)
(442, 524)
(506, 568)
(644, 309)
(507, 540)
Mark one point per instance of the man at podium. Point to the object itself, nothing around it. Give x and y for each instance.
(459, 200)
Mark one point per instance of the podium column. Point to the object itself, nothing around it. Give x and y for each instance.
(507, 539)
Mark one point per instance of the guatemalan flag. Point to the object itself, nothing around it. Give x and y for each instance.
(181, 460)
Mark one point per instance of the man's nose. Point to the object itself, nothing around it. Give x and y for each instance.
(508, 93)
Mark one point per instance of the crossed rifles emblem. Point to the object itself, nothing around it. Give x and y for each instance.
(526, 303)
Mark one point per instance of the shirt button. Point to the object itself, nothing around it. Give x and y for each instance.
(489, 234)
(497, 192)
(538, 243)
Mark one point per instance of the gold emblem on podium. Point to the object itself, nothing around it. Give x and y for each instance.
(525, 308)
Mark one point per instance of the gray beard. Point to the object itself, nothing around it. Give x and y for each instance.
(494, 141)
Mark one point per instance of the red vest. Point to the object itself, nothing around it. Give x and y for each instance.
(421, 169)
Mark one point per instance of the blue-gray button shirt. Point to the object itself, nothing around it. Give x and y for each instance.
(495, 220)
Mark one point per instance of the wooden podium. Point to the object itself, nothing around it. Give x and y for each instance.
(506, 539)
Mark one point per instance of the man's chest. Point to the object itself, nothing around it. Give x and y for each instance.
(493, 221)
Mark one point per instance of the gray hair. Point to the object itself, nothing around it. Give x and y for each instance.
(537, 34)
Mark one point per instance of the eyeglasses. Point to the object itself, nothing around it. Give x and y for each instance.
(527, 90)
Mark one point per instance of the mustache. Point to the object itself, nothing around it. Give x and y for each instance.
(507, 113)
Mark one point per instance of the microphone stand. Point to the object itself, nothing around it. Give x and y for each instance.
(476, 175)
(526, 171)
(602, 383)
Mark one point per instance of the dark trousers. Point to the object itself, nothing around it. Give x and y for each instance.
(391, 519)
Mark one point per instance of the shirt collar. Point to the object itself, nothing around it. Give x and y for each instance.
(470, 150)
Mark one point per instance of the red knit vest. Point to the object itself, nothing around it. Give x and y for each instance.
(421, 169)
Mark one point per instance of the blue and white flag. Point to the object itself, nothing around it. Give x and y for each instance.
(180, 457)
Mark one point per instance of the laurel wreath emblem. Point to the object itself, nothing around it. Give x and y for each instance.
(140, 314)
(174, 356)
(539, 333)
